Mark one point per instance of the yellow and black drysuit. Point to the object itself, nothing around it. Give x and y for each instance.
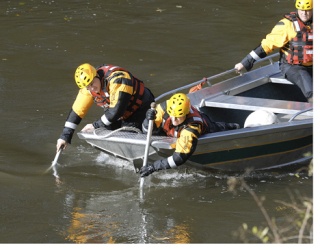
(294, 39)
(123, 97)
(187, 134)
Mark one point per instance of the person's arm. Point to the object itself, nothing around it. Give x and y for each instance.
(185, 146)
(156, 116)
(276, 39)
(248, 62)
(79, 109)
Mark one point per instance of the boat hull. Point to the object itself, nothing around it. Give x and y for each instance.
(262, 149)
(258, 148)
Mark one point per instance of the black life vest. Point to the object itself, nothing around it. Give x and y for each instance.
(102, 99)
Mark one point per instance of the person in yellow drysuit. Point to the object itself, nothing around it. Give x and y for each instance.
(293, 36)
(176, 117)
(123, 97)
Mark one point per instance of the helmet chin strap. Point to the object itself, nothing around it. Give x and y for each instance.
(103, 85)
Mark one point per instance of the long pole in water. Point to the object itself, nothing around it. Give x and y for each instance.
(55, 162)
(146, 151)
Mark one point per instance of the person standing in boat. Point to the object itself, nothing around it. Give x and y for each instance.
(176, 117)
(293, 36)
(123, 97)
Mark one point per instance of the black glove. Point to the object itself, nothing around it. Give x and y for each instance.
(98, 124)
(146, 170)
(151, 114)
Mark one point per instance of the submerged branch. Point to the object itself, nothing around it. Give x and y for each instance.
(271, 224)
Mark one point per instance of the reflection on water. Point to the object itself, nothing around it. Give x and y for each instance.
(178, 206)
(109, 228)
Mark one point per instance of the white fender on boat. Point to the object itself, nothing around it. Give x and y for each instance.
(260, 117)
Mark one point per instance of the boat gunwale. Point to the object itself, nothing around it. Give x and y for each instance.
(212, 137)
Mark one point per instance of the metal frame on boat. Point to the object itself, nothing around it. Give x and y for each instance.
(286, 143)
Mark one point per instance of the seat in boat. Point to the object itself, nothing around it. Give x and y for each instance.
(253, 104)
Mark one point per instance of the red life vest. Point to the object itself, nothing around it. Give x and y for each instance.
(300, 48)
(102, 99)
(194, 117)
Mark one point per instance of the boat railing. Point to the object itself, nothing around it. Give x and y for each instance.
(208, 79)
(299, 113)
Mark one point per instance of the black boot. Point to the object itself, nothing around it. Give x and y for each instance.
(231, 126)
(223, 126)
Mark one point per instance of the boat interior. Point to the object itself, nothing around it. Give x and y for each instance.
(233, 98)
(271, 92)
(236, 108)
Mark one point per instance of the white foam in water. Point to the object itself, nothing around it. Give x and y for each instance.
(82, 149)
(101, 158)
(105, 159)
(176, 177)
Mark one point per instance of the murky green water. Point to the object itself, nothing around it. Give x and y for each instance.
(166, 44)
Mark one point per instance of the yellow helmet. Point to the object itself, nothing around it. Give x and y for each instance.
(84, 75)
(304, 4)
(178, 105)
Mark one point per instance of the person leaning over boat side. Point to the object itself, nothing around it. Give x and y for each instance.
(123, 97)
(293, 35)
(176, 117)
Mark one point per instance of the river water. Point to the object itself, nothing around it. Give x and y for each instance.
(165, 43)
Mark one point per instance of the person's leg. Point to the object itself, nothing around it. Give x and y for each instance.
(302, 77)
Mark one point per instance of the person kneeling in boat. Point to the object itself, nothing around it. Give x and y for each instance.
(177, 118)
(123, 97)
(293, 35)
